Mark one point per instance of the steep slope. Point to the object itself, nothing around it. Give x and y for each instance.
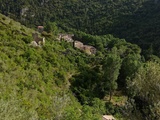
(94, 17)
(141, 28)
(34, 81)
(37, 82)
(58, 81)
(137, 21)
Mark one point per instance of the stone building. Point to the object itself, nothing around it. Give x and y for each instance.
(89, 49)
(40, 29)
(66, 37)
(78, 44)
(86, 48)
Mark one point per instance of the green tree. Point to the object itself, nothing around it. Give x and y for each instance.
(51, 27)
(146, 88)
(111, 67)
(130, 66)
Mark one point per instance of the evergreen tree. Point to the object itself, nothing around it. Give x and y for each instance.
(111, 67)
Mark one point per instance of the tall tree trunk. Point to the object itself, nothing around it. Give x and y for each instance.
(110, 95)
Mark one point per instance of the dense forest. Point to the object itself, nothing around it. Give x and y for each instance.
(57, 81)
(137, 21)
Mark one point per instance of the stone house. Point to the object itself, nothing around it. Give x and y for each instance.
(89, 49)
(40, 29)
(78, 44)
(86, 48)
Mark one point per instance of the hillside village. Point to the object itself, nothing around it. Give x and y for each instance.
(38, 41)
(79, 60)
(90, 50)
(77, 44)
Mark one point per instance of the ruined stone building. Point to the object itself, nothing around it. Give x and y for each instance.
(86, 48)
(66, 37)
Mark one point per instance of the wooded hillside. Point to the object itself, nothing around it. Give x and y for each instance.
(137, 21)
(58, 81)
